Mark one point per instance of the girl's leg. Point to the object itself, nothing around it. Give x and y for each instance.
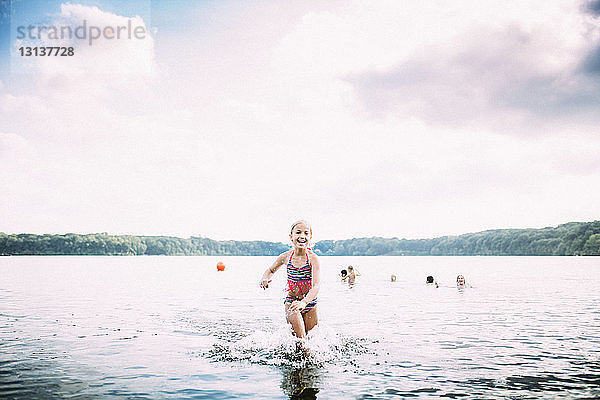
(295, 318)
(310, 319)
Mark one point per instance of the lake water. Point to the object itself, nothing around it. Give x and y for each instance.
(174, 327)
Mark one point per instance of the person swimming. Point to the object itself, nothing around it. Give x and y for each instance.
(344, 274)
(430, 281)
(352, 275)
(303, 284)
(461, 282)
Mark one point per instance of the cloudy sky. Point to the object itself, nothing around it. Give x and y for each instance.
(232, 119)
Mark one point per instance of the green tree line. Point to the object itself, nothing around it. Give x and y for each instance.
(571, 239)
(104, 244)
(574, 238)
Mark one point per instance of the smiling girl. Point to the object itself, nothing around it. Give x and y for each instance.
(303, 271)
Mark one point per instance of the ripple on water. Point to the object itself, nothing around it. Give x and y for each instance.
(384, 345)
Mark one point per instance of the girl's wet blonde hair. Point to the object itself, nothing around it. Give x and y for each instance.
(301, 221)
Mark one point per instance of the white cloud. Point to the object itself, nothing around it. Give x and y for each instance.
(507, 70)
(238, 139)
(379, 35)
(19, 163)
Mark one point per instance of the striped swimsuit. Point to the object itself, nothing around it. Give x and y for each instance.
(300, 282)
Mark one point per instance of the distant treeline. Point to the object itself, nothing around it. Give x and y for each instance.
(574, 238)
(105, 244)
(571, 239)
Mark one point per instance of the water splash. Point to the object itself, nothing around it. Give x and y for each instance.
(279, 347)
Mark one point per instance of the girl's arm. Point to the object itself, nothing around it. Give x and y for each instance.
(266, 278)
(316, 284)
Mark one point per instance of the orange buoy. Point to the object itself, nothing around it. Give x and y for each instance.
(220, 266)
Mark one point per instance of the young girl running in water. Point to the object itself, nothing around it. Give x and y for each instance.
(303, 271)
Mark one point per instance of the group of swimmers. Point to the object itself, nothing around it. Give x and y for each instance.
(461, 283)
(304, 279)
(349, 275)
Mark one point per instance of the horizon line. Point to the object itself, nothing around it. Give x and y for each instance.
(269, 241)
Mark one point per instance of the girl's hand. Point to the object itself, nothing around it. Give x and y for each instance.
(297, 305)
(264, 283)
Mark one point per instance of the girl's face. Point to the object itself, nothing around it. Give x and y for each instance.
(460, 280)
(301, 235)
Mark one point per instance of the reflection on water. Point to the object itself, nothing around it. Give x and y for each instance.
(300, 383)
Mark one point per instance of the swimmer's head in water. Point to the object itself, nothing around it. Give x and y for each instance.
(430, 279)
(301, 234)
(460, 280)
(344, 272)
